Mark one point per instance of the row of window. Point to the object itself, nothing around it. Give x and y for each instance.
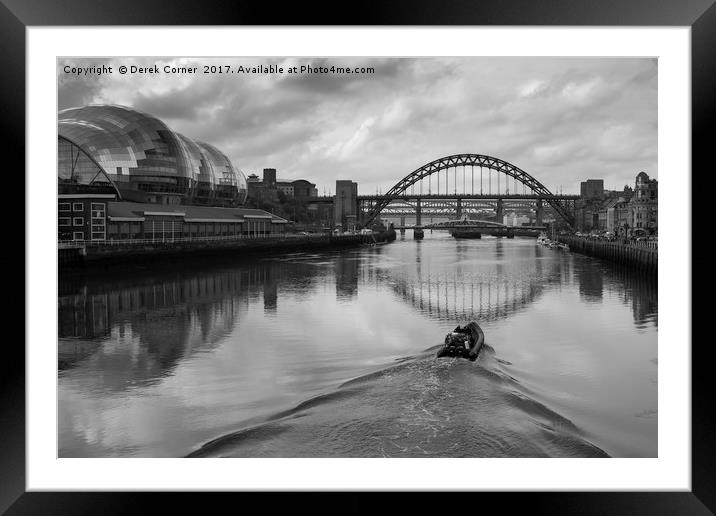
(76, 221)
(97, 207)
(97, 224)
(79, 235)
(134, 230)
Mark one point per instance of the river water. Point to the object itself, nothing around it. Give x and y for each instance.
(332, 354)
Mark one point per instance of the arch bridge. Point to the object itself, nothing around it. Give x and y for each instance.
(439, 181)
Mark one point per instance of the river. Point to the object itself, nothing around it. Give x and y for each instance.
(332, 354)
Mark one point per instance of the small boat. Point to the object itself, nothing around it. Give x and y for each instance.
(463, 342)
(543, 240)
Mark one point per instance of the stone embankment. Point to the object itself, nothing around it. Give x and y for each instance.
(105, 253)
(641, 257)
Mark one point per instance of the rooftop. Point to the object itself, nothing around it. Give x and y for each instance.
(137, 210)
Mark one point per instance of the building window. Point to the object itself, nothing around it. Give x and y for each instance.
(98, 210)
(64, 206)
(64, 221)
(78, 235)
(78, 206)
(78, 221)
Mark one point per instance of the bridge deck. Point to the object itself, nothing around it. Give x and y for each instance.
(452, 196)
(475, 226)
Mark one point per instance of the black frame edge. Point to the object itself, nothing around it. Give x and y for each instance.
(702, 18)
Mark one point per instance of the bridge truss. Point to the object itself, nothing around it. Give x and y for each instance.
(452, 208)
(493, 179)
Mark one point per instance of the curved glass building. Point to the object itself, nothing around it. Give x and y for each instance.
(139, 158)
(228, 179)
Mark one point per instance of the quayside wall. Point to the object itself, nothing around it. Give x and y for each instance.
(110, 252)
(635, 256)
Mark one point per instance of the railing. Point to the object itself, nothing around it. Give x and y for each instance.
(649, 244)
(72, 244)
(75, 244)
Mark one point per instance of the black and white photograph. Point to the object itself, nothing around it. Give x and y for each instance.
(357, 257)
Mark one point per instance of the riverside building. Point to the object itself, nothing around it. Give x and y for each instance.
(123, 174)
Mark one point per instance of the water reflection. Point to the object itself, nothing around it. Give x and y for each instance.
(270, 291)
(249, 337)
(173, 317)
(346, 268)
(638, 291)
(138, 334)
(591, 283)
(493, 287)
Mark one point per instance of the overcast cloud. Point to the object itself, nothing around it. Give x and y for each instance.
(561, 119)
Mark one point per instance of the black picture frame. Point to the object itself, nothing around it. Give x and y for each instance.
(17, 15)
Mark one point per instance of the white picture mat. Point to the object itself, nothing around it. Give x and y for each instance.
(670, 471)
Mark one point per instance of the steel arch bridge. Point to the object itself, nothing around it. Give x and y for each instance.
(470, 160)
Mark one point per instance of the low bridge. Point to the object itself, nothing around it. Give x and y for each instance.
(480, 226)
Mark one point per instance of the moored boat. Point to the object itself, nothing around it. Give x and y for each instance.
(464, 342)
(465, 233)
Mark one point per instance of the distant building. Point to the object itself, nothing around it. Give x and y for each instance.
(300, 189)
(643, 206)
(304, 190)
(257, 190)
(592, 189)
(515, 219)
(270, 177)
(267, 189)
(285, 187)
(586, 214)
(618, 216)
(587, 208)
(623, 212)
(346, 205)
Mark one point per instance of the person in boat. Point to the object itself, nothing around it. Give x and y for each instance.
(457, 343)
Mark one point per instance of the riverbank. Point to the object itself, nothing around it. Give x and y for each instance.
(90, 254)
(641, 258)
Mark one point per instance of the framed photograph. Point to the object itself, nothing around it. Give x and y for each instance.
(416, 253)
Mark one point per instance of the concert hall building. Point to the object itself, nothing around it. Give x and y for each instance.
(124, 174)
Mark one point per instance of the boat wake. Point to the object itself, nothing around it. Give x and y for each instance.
(419, 407)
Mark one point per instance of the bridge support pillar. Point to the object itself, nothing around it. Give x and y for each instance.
(458, 209)
(500, 212)
(402, 225)
(539, 212)
(418, 213)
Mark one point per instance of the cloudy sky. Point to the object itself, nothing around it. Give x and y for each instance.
(561, 119)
